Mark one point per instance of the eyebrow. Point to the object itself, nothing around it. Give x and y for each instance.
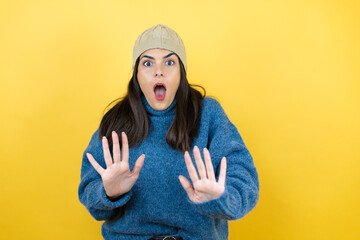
(154, 58)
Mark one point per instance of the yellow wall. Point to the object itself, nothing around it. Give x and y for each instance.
(286, 72)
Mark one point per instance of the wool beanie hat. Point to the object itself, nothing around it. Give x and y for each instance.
(159, 36)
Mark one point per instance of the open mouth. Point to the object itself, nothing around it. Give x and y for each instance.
(160, 91)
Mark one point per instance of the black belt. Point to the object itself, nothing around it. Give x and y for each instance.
(173, 237)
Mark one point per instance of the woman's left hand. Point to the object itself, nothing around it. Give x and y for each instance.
(205, 187)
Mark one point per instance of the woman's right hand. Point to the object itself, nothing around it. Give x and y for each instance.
(117, 177)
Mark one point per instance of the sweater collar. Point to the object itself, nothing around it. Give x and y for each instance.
(168, 111)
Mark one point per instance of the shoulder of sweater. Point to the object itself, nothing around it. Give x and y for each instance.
(210, 102)
(95, 134)
(212, 105)
(95, 140)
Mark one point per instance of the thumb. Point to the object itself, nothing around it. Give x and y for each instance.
(187, 186)
(138, 165)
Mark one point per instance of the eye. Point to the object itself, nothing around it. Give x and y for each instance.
(170, 62)
(147, 63)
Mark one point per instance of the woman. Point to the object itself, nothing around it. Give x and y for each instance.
(163, 123)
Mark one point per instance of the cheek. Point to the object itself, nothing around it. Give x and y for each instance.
(174, 85)
(144, 85)
(176, 82)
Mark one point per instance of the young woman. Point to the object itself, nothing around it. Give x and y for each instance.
(183, 169)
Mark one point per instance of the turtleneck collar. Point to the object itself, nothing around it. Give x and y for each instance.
(168, 111)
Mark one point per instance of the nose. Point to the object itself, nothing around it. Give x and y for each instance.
(159, 71)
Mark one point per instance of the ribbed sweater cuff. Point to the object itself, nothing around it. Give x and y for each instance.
(213, 208)
(122, 200)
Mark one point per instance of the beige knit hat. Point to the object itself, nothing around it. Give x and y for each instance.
(159, 36)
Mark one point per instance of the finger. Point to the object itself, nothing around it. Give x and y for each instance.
(209, 166)
(138, 165)
(199, 163)
(222, 174)
(95, 164)
(125, 148)
(187, 186)
(116, 147)
(190, 167)
(106, 150)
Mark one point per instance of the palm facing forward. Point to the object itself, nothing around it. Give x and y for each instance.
(117, 177)
(205, 187)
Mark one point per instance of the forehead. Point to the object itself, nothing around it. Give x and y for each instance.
(156, 52)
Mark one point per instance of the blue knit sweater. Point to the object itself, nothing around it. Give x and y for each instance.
(157, 205)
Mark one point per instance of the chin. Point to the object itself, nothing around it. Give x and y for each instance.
(161, 106)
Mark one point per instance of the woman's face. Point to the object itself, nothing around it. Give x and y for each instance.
(159, 77)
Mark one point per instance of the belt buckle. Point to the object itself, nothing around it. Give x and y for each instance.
(169, 238)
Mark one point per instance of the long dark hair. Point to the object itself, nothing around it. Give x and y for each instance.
(129, 115)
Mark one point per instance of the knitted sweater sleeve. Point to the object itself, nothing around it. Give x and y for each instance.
(91, 190)
(242, 184)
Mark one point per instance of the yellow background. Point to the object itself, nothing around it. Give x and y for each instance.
(286, 72)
